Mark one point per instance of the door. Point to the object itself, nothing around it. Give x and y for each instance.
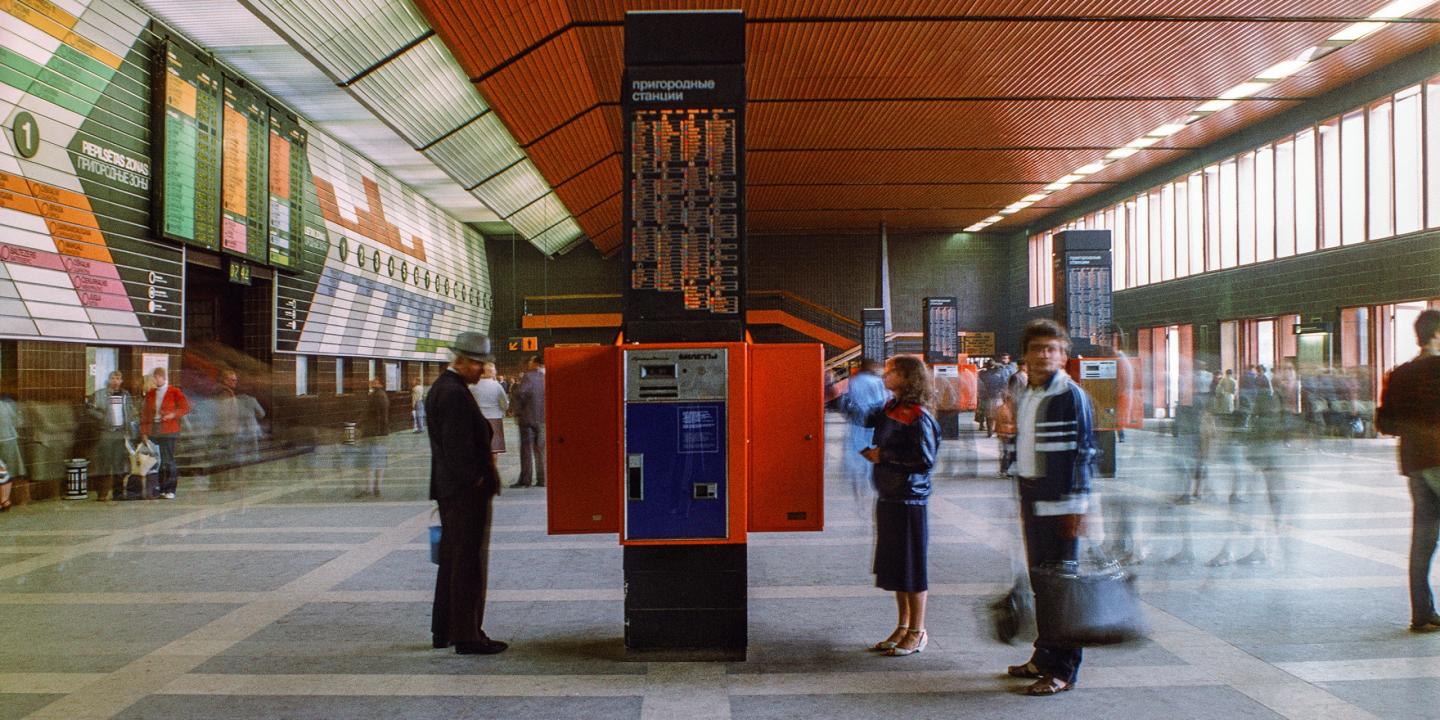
(787, 431)
(582, 439)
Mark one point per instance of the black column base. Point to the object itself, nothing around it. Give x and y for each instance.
(686, 602)
(1105, 443)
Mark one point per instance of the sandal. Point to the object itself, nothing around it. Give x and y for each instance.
(1048, 685)
(901, 651)
(886, 644)
(1028, 670)
(5, 506)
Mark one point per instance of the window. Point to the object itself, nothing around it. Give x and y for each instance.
(1352, 178)
(1047, 272)
(1264, 204)
(1306, 185)
(1115, 218)
(370, 372)
(1245, 205)
(1409, 180)
(1380, 173)
(1229, 214)
(1212, 217)
(1285, 199)
(1157, 245)
(1132, 266)
(1142, 239)
(339, 376)
(1167, 232)
(1180, 191)
(1196, 189)
(1330, 184)
(302, 375)
(392, 377)
(1432, 151)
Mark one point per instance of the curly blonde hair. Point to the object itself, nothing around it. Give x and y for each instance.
(916, 387)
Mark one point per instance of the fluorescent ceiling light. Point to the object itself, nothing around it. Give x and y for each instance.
(1033, 197)
(1009, 211)
(1090, 169)
(1121, 153)
(1143, 142)
(1282, 70)
(1057, 186)
(1214, 106)
(1166, 130)
(1068, 179)
(992, 219)
(977, 227)
(1401, 8)
(1244, 90)
(1355, 32)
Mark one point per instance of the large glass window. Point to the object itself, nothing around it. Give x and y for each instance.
(1047, 269)
(1245, 205)
(1142, 239)
(1196, 189)
(340, 376)
(1212, 218)
(1118, 240)
(1157, 249)
(1264, 204)
(1432, 151)
(1167, 232)
(1229, 215)
(1380, 172)
(1409, 180)
(1330, 184)
(1352, 178)
(1306, 192)
(302, 375)
(1180, 191)
(1285, 199)
(100, 362)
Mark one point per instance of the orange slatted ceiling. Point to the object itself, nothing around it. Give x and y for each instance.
(980, 113)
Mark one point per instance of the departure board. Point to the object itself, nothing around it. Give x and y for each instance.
(245, 173)
(942, 330)
(289, 169)
(872, 338)
(1083, 287)
(686, 228)
(683, 103)
(188, 151)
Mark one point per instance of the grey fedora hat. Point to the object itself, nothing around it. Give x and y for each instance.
(473, 345)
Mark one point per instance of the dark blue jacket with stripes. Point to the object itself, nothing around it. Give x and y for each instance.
(1064, 441)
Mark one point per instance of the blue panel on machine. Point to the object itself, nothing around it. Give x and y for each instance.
(675, 470)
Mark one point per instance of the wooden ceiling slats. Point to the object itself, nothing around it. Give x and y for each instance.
(899, 115)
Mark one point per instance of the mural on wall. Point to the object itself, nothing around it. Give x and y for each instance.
(364, 265)
(77, 259)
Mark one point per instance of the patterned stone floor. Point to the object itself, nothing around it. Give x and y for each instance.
(274, 592)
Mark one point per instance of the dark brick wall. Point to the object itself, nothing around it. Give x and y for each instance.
(973, 268)
(840, 272)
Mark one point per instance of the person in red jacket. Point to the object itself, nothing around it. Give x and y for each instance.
(165, 404)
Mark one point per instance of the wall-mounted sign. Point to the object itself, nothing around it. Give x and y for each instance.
(238, 271)
(942, 336)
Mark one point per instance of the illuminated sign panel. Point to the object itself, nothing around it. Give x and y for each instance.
(187, 148)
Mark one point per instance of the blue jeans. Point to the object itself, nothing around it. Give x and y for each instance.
(1046, 545)
(1424, 531)
(169, 471)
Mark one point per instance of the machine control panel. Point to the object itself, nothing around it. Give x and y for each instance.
(676, 375)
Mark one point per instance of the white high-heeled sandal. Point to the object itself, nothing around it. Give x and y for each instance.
(898, 651)
(887, 645)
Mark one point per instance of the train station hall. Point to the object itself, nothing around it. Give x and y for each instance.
(665, 359)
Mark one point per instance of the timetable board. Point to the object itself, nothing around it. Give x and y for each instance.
(289, 171)
(78, 259)
(872, 337)
(188, 110)
(683, 102)
(942, 330)
(1083, 286)
(244, 173)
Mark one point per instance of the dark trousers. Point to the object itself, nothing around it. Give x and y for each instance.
(1044, 545)
(532, 454)
(169, 471)
(458, 614)
(1424, 530)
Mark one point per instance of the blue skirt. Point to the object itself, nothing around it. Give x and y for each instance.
(902, 542)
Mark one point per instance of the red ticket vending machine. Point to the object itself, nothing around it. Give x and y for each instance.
(1109, 381)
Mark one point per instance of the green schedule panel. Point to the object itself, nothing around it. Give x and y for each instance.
(189, 141)
(244, 173)
(289, 169)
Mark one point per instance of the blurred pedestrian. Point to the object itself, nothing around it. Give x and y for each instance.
(114, 415)
(494, 404)
(165, 405)
(375, 437)
(1054, 452)
(12, 465)
(417, 404)
(903, 451)
(1410, 408)
(529, 404)
(864, 393)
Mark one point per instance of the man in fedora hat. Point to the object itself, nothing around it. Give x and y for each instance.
(463, 481)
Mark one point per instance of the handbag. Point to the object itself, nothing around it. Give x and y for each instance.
(1078, 607)
(435, 544)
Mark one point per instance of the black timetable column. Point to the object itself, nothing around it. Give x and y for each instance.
(1082, 289)
(683, 100)
(942, 330)
(872, 334)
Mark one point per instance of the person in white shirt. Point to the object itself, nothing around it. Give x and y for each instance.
(490, 395)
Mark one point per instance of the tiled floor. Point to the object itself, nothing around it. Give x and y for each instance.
(283, 596)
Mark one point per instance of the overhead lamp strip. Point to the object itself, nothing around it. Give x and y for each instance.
(382, 62)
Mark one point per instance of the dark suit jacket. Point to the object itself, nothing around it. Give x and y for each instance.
(459, 441)
(528, 401)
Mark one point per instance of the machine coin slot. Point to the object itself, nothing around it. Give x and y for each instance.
(707, 491)
(635, 478)
(649, 372)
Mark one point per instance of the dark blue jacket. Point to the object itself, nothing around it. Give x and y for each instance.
(1065, 444)
(908, 438)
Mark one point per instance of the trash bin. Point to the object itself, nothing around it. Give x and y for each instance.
(77, 479)
(351, 433)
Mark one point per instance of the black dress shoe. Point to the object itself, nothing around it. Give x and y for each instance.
(440, 642)
(480, 647)
(520, 485)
